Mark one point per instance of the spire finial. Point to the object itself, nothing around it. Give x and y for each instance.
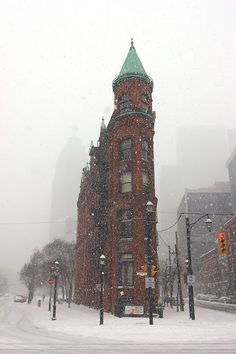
(132, 42)
(103, 125)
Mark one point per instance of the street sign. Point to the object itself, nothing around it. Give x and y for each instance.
(190, 279)
(149, 282)
(50, 281)
(142, 274)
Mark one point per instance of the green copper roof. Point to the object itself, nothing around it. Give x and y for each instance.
(132, 64)
(132, 67)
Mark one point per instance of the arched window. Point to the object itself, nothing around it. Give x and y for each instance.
(145, 149)
(145, 103)
(145, 182)
(125, 223)
(125, 102)
(125, 149)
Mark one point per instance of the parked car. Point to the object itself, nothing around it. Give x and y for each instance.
(224, 299)
(202, 297)
(212, 298)
(19, 298)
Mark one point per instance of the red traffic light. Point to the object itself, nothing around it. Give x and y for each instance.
(222, 244)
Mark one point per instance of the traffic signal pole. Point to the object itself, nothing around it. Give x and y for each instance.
(149, 267)
(178, 273)
(190, 271)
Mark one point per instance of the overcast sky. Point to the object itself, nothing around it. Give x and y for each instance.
(57, 63)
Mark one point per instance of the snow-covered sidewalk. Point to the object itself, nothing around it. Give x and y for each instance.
(28, 329)
(209, 327)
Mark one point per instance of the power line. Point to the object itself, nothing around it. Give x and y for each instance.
(170, 227)
(63, 221)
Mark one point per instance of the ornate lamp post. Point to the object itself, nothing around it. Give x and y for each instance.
(102, 265)
(149, 224)
(188, 261)
(55, 273)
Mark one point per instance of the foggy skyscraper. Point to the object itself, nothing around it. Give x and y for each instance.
(65, 190)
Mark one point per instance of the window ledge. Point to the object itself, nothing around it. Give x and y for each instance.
(126, 239)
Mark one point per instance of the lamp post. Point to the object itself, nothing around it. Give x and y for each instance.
(188, 261)
(102, 264)
(50, 291)
(149, 214)
(55, 272)
(50, 299)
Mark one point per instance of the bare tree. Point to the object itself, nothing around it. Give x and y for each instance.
(30, 274)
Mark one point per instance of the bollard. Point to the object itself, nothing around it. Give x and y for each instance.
(160, 311)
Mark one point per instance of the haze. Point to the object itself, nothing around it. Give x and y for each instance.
(58, 61)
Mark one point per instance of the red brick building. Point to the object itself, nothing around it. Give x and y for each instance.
(213, 274)
(230, 230)
(115, 188)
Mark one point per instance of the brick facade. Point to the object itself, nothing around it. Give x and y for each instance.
(213, 274)
(230, 230)
(115, 188)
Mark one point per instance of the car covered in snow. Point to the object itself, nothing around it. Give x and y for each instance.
(224, 300)
(19, 298)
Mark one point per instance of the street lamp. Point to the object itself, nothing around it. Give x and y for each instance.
(55, 273)
(102, 264)
(188, 261)
(149, 215)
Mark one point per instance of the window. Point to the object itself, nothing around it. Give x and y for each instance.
(125, 149)
(145, 182)
(144, 149)
(144, 103)
(126, 269)
(125, 102)
(125, 223)
(126, 182)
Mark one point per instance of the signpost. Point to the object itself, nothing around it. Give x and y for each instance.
(190, 279)
(50, 281)
(149, 282)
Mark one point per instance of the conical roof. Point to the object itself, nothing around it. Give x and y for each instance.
(132, 67)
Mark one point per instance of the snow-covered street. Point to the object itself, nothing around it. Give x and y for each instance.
(29, 329)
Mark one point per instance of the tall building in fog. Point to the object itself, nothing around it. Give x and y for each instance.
(215, 200)
(65, 190)
(201, 155)
(231, 140)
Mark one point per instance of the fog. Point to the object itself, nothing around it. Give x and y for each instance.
(58, 61)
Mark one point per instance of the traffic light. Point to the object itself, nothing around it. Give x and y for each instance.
(222, 244)
(144, 268)
(153, 270)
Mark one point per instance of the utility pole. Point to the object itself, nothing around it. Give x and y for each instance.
(170, 279)
(189, 260)
(178, 273)
(190, 271)
(149, 221)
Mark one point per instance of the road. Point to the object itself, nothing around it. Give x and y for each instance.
(26, 329)
(216, 306)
